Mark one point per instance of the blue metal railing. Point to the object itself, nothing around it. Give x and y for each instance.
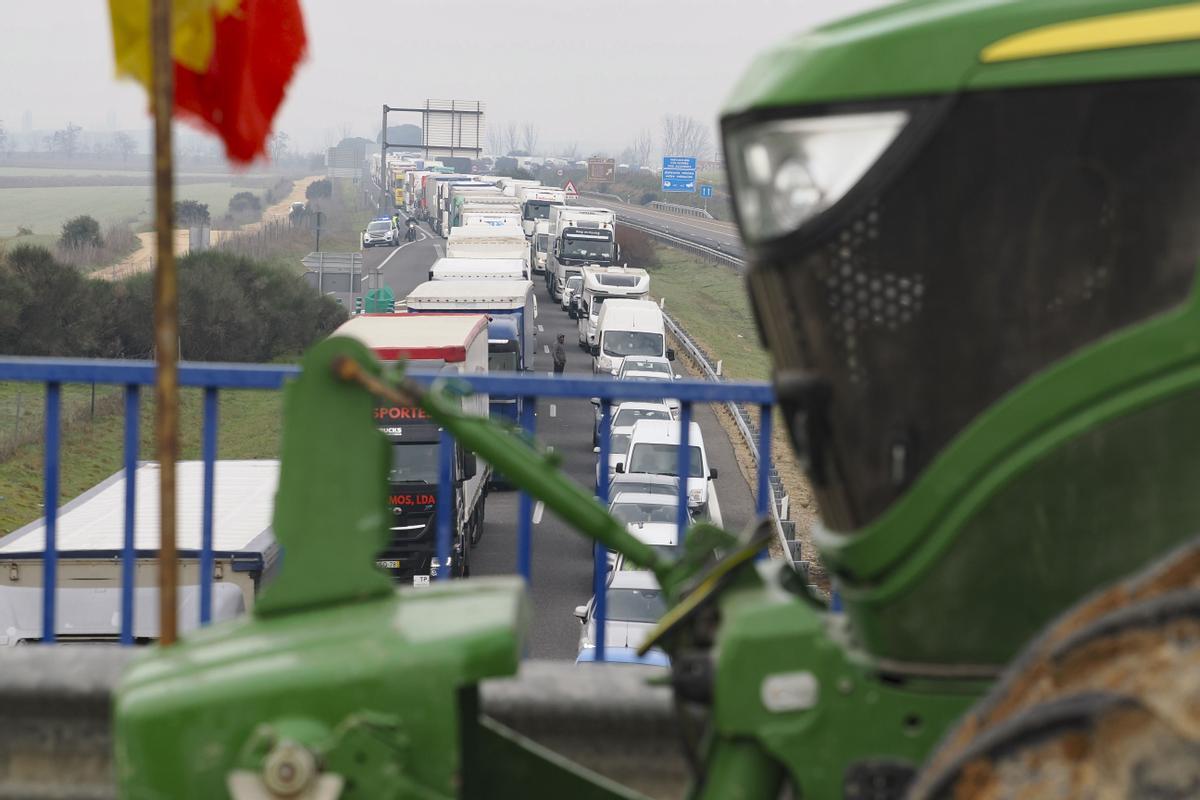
(214, 378)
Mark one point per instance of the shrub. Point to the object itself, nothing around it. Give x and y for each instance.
(81, 231)
(245, 203)
(191, 212)
(24, 231)
(318, 190)
(648, 198)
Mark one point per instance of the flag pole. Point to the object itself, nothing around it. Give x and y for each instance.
(166, 319)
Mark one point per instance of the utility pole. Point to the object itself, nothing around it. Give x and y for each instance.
(318, 247)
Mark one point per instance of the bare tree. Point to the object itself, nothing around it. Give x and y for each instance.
(529, 138)
(125, 145)
(512, 138)
(570, 152)
(65, 141)
(3, 136)
(277, 146)
(495, 140)
(643, 146)
(684, 136)
(346, 131)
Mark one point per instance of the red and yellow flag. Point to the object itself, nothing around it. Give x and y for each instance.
(233, 62)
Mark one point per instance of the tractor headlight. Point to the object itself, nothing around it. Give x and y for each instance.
(787, 171)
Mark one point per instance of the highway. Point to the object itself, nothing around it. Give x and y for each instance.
(562, 559)
(712, 233)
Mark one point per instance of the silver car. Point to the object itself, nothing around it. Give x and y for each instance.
(634, 605)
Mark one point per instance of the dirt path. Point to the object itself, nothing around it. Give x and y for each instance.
(142, 259)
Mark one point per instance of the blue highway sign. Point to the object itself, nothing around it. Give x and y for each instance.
(706, 190)
(678, 174)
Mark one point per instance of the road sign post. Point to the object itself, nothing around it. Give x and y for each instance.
(706, 192)
(678, 174)
(571, 192)
(601, 170)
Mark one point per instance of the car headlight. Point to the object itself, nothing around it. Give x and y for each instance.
(787, 171)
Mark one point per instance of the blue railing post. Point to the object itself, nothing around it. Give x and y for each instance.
(762, 497)
(445, 502)
(599, 552)
(525, 504)
(128, 552)
(206, 543)
(50, 487)
(685, 469)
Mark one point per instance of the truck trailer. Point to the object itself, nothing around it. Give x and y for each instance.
(90, 538)
(485, 241)
(453, 344)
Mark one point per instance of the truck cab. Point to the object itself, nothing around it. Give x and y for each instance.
(605, 283)
(536, 202)
(580, 237)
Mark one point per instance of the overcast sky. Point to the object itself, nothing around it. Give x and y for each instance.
(594, 74)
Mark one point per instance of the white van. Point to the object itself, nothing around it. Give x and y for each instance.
(606, 283)
(628, 328)
(654, 450)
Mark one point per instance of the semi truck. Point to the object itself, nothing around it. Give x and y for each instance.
(485, 241)
(452, 344)
(459, 194)
(536, 202)
(90, 539)
(605, 283)
(512, 327)
(579, 236)
(496, 202)
(492, 215)
(447, 191)
(478, 269)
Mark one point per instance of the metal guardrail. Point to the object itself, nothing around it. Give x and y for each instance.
(756, 441)
(733, 259)
(682, 210)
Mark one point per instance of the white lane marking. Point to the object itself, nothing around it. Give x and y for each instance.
(541, 329)
(395, 250)
(553, 410)
(546, 347)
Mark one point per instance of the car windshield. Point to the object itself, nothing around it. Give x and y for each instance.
(635, 605)
(642, 365)
(502, 362)
(625, 417)
(619, 443)
(632, 343)
(543, 242)
(663, 459)
(378, 227)
(588, 248)
(537, 209)
(414, 462)
(633, 513)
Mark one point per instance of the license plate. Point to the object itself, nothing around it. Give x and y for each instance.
(420, 580)
(388, 564)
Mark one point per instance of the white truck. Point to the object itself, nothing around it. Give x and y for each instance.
(539, 246)
(454, 344)
(579, 236)
(491, 214)
(628, 328)
(535, 205)
(90, 538)
(601, 284)
(485, 241)
(460, 194)
(478, 269)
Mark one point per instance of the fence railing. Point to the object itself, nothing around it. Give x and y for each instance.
(215, 378)
(682, 210)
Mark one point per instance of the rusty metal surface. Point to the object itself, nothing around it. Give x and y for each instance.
(1105, 703)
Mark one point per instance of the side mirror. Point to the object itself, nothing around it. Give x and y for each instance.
(670, 354)
(595, 449)
(469, 466)
(595, 350)
(616, 373)
(581, 612)
(595, 401)
(430, 274)
(620, 468)
(712, 476)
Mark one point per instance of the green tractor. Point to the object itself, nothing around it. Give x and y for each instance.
(973, 229)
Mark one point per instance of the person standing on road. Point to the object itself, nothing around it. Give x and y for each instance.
(560, 355)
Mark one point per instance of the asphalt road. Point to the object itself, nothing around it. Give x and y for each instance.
(562, 559)
(721, 235)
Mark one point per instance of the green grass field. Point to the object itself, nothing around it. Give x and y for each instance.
(249, 425)
(45, 209)
(710, 301)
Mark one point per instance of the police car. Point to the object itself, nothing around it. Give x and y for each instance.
(381, 231)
